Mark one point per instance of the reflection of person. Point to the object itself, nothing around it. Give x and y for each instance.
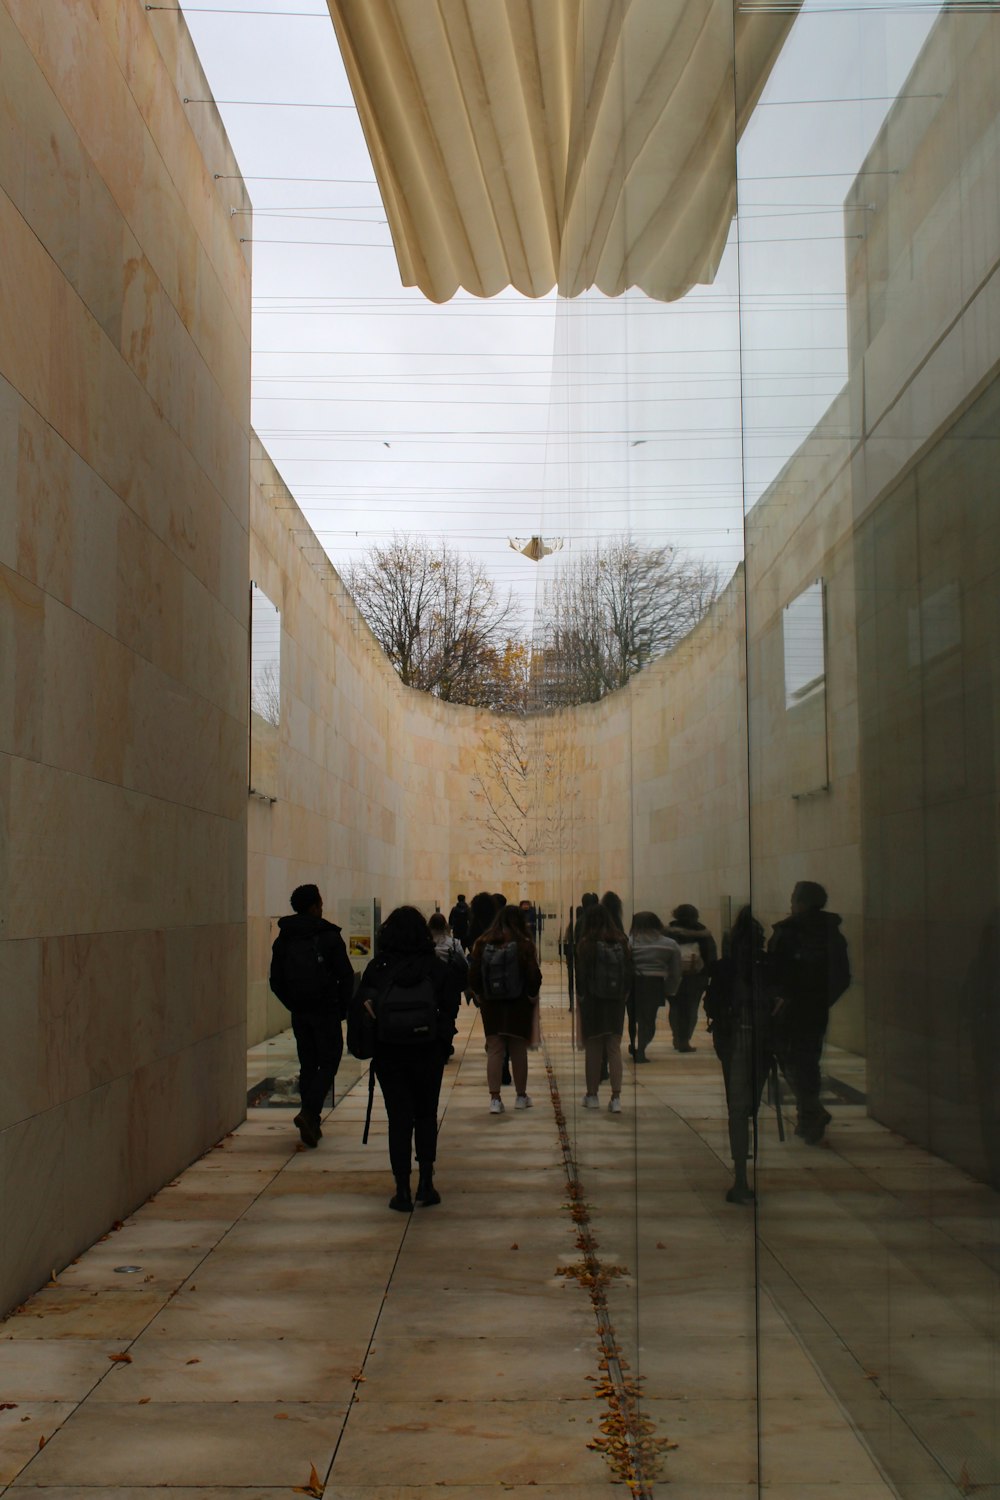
(809, 971)
(509, 1022)
(657, 961)
(567, 948)
(738, 1010)
(603, 981)
(312, 975)
(530, 914)
(698, 954)
(980, 1002)
(409, 1072)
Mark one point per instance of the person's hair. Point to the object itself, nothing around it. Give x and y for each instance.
(589, 898)
(499, 900)
(460, 896)
(483, 908)
(646, 921)
(304, 896)
(437, 922)
(405, 930)
(508, 926)
(612, 904)
(599, 925)
(810, 894)
(686, 914)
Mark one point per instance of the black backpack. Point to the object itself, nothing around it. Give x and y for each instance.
(305, 975)
(405, 1015)
(501, 972)
(608, 980)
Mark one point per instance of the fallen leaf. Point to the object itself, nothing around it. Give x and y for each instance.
(515, 1246)
(41, 1442)
(8, 1405)
(194, 1361)
(660, 1245)
(281, 1416)
(120, 1359)
(315, 1486)
(144, 1400)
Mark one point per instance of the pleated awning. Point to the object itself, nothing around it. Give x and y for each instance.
(556, 143)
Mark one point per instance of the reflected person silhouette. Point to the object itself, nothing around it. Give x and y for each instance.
(738, 1008)
(809, 971)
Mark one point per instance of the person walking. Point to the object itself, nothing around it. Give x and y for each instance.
(505, 978)
(809, 971)
(656, 960)
(411, 997)
(603, 981)
(312, 975)
(459, 918)
(738, 1008)
(698, 954)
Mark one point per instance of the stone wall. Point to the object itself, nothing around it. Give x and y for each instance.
(124, 444)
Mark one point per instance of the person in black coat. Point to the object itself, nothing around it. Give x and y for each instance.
(698, 954)
(409, 1072)
(312, 975)
(738, 1008)
(808, 971)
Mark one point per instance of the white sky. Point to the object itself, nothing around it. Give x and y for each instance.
(486, 420)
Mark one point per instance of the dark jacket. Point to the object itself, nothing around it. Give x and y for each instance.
(508, 1017)
(409, 970)
(808, 967)
(738, 997)
(458, 920)
(696, 933)
(310, 969)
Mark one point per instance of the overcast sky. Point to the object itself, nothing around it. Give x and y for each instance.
(486, 420)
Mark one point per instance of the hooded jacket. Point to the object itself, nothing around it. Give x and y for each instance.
(809, 967)
(310, 969)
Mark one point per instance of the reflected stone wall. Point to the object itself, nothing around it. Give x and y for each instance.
(924, 296)
(124, 404)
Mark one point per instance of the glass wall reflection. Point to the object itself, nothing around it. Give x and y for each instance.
(820, 424)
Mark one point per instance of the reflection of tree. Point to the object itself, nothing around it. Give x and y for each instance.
(517, 784)
(265, 693)
(611, 610)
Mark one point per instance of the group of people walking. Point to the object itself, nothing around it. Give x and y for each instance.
(765, 1002)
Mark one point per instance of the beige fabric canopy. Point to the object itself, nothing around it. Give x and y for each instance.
(556, 143)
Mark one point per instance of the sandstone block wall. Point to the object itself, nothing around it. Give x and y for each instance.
(124, 401)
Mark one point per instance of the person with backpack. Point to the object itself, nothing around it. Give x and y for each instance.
(407, 1001)
(738, 1007)
(656, 959)
(603, 983)
(809, 971)
(698, 954)
(505, 978)
(458, 920)
(312, 975)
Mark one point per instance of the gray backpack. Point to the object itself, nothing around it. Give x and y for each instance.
(501, 972)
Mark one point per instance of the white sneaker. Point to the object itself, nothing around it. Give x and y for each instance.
(496, 1106)
(523, 1101)
(591, 1101)
(615, 1105)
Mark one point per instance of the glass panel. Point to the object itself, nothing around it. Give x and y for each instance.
(869, 224)
(265, 693)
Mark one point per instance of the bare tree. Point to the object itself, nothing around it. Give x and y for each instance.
(611, 610)
(265, 693)
(437, 616)
(523, 787)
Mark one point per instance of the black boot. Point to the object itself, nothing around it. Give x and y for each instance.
(427, 1193)
(401, 1200)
